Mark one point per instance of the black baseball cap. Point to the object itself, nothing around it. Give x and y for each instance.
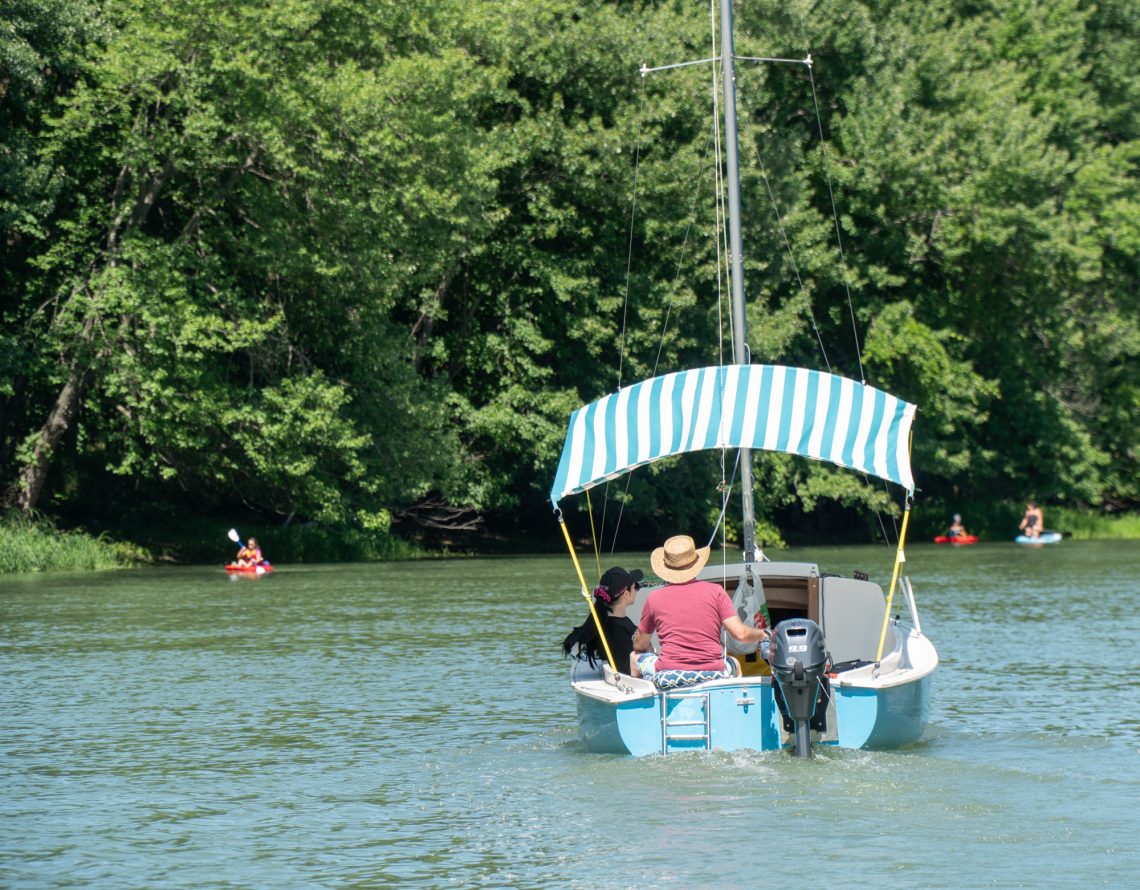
(617, 578)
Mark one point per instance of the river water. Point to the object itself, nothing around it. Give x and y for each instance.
(410, 724)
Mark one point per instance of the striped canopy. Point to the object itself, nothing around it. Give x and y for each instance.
(769, 407)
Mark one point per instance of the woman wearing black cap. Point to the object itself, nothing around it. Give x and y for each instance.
(614, 594)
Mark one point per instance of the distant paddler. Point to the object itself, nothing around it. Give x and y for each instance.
(1033, 521)
(250, 554)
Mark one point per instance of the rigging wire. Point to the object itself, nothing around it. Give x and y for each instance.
(835, 218)
(625, 303)
(593, 533)
(724, 257)
(670, 300)
(726, 496)
(713, 145)
(629, 243)
(792, 260)
(681, 259)
(625, 306)
(807, 62)
(847, 287)
(894, 521)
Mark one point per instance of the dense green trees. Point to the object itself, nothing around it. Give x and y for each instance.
(233, 204)
(355, 261)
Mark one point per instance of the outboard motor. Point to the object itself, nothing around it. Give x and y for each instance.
(799, 666)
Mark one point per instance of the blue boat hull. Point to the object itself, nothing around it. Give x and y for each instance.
(882, 718)
(875, 702)
(740, 716)
(744, 716)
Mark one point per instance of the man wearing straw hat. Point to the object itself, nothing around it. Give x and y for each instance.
(687, 616)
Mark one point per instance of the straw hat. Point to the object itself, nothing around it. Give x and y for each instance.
(679, 560)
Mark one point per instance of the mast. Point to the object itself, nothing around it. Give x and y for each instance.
(740, 344)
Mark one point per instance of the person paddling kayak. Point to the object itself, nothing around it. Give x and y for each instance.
(250, 554)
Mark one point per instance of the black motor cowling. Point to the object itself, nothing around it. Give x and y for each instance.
(799, 666)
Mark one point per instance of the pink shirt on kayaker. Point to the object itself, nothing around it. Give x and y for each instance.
(687, 619)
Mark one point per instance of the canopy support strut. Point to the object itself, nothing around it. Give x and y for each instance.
(586, 593)
(900, 558)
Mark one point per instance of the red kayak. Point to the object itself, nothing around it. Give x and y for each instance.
(234, 569)
(961, 539)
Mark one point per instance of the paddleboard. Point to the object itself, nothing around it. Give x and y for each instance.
(1043, 538)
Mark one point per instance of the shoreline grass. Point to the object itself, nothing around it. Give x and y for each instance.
(1085, 526)
(37, 546)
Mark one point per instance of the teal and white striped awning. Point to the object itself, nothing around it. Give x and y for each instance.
(769, 407)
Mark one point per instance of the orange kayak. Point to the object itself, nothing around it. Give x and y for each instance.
(234, 569)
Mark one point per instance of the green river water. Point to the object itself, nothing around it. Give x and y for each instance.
(410, 724)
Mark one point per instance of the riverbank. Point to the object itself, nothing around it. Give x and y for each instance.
(40, 546)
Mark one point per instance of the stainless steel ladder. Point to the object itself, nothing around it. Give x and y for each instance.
(667, 726)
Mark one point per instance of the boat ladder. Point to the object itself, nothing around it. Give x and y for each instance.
(688, 729)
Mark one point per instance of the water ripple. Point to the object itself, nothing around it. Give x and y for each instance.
(410, 725)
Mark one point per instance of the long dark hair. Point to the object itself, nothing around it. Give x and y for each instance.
(585, 635)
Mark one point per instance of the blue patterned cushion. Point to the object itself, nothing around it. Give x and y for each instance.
(675, 679)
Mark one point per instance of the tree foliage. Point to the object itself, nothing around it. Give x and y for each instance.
(356, 262)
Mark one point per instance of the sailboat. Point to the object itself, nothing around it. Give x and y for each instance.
(841, 671)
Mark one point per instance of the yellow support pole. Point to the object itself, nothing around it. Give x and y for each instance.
(586, 595)
(900, 558)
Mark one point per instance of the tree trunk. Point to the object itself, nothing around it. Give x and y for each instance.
(30, 484)
(26, 490)
(31, 481)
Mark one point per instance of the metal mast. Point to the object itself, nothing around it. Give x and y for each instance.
(740, 353)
